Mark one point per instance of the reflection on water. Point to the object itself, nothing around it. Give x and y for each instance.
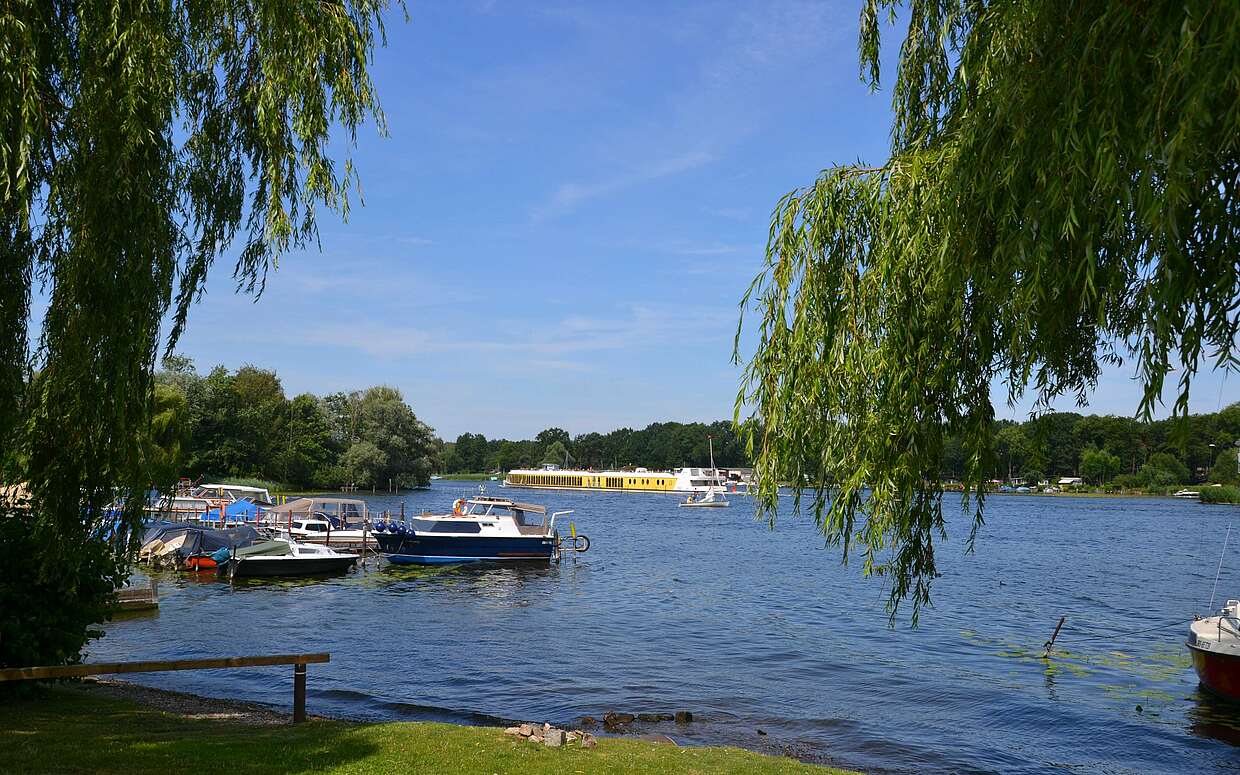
(752, 628)
(1214, 717)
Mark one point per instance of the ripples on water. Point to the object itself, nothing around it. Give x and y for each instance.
(711, 611)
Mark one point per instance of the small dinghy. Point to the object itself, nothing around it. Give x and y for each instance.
(713, 499)
(1214, 643)
(283, 558)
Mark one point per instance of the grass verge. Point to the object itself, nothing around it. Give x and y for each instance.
(73, 730)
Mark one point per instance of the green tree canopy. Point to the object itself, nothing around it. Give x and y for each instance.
(364, 463)
(1061, 193)
(1163, 469)
(1098, 466)
(556, 453)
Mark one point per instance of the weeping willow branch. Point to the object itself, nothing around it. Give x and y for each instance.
(140, 139)
(1063, 197)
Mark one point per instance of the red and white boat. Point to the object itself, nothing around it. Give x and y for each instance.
(1214, 643)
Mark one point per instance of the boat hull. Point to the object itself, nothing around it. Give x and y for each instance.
(1218, 672)
(441, 550)
(271, 567)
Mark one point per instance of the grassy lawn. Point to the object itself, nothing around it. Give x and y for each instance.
(71, 730)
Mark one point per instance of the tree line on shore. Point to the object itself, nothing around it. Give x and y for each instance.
(241, 424)
(661, 445)
(1111, 451)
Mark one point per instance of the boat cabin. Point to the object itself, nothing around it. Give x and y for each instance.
(340, 513)
(485, 515)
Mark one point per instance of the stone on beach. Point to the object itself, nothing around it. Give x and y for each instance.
(514, 731)
(554, 738)
(613, 719)
(683, 717)
(525, 730)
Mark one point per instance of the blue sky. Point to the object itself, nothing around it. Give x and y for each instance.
(570, 204)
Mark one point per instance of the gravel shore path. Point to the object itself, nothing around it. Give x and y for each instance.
(187, 705)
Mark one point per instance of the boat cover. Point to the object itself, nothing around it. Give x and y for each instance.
(243, 509)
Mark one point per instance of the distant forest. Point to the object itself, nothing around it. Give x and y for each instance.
(1118, 451)
(660, 446)
(1103, 449)
(242, 425)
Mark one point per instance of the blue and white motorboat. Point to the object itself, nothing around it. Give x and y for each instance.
(478, 529)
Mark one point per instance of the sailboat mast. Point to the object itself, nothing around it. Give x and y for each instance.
(710, 440)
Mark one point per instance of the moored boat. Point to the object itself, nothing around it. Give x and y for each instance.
(1214, 643)
(319, 519)
(283, 558)
(478, 529)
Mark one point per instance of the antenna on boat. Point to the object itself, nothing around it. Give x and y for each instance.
(1219, 569)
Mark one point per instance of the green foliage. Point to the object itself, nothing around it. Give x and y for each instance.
(1061, 193)
(363, 463)
(556, 453)
(1225, 468)
(306, 454)
(1163, 469)
(1220, 494)
(241, 425)
(168, 437)
(138, 142)
(1098, 466)
(47, 617)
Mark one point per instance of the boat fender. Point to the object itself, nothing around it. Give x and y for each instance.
(380, 527)
(458, 506)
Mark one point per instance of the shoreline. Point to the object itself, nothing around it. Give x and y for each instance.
(116, 726)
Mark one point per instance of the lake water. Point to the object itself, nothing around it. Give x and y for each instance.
(750, 628)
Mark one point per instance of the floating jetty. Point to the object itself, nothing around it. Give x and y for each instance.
(144, 598)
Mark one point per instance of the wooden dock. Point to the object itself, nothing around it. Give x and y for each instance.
(138, 598)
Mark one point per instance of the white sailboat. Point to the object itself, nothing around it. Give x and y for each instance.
(713, 498)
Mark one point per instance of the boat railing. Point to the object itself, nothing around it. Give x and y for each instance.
(550, 526)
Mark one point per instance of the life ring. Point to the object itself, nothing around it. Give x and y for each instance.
(458, 507)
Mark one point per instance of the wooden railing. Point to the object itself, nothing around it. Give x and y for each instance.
(298, 661)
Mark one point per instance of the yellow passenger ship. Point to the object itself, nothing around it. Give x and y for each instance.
(555, 478)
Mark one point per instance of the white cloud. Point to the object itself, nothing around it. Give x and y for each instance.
(683, 248)
(569, 195)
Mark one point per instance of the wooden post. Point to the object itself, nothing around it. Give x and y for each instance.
(299, 692)
(1050, 644)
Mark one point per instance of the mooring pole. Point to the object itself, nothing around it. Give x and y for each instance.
(299, 693)
(1050, 644)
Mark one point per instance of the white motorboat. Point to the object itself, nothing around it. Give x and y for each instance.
(320, 520)
(282, 557)
(1214, 643)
